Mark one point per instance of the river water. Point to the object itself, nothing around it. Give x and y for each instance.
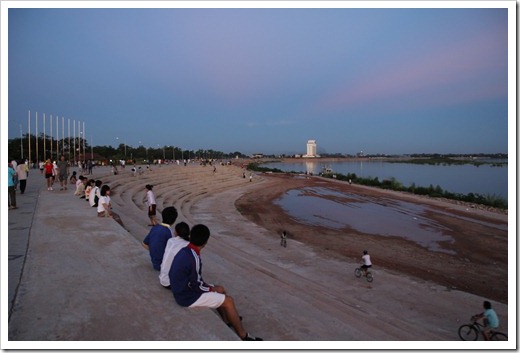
(464, 179)
(387, 217)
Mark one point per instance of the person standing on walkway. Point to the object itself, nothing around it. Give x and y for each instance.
(151, 203)
(63, 172)
(48, 170)
(190, 290)
(23, 171)
(11, 187)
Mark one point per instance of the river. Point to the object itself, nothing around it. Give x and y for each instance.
(484, 179)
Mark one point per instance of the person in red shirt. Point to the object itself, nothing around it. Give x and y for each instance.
(48, 169)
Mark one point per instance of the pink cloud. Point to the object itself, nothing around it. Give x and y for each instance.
(446, 74)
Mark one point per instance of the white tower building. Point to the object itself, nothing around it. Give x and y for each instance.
(311, 149)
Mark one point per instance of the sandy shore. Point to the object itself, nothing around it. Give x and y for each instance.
(307, 291)
(478, 266)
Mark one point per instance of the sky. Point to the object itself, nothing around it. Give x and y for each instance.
(266, 80)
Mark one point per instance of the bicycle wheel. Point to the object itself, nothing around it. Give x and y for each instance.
(499, 336)
(370, 278)
(468, 333)
(357, 272)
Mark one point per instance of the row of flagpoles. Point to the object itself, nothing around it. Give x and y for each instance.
(77, 126)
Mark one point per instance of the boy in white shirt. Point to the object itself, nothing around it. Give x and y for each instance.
(179, 241)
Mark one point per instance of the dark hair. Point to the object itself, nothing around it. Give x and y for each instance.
(365, 252)
(104, 190)
(99, 183)
(149, 187)
(183, 230)
(487, 305)
(169, 215)
(199, 235)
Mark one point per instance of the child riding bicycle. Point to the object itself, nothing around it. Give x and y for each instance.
(489, 318)
(366, 262)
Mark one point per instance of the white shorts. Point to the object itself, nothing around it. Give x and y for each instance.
(211, 300)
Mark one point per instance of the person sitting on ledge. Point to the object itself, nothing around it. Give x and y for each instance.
(158, 236)
(179, 241)
(190, 290)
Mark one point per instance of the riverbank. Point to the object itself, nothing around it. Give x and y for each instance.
(305, 292)
(478, 265)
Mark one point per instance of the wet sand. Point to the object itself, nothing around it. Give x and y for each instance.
(478, 265)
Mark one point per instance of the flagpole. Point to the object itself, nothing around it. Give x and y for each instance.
(84, 137)
(21, 141)
(57, 139)
(74, 128)
(37, 152)
(63, 135)
(69, 137)
(51, 136)
(29, 134)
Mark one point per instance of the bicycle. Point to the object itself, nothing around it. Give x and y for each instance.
(358, 272)
(471, 332)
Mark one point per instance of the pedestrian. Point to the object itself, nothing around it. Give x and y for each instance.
(23, 171)
(155, 241)
(283, 241)
(151, 203)
(48, 170)
(63, 172)
(190, 290)
(11, 187)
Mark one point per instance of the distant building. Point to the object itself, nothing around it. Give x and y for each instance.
(311, 149)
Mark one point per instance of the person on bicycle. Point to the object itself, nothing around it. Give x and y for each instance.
(366, 262)
(490, 319)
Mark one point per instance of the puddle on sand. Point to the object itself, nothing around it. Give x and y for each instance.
(325, 207)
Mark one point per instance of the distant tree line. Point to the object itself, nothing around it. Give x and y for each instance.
(79, 149)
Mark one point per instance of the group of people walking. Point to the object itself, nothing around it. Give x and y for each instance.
(176, 256)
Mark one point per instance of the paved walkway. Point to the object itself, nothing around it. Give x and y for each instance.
(76, 277)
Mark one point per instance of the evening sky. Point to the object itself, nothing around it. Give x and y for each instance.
(265, 80)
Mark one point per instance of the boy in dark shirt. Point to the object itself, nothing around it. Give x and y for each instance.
(190, 290)
(156, 240)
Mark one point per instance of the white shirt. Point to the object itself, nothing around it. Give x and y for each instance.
(150, 198)
(172, 248)
(103, 200)
(92, 196)
(366, 260)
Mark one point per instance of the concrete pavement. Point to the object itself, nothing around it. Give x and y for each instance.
(76, 277)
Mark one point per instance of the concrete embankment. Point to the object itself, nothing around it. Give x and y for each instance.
(86, 278)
